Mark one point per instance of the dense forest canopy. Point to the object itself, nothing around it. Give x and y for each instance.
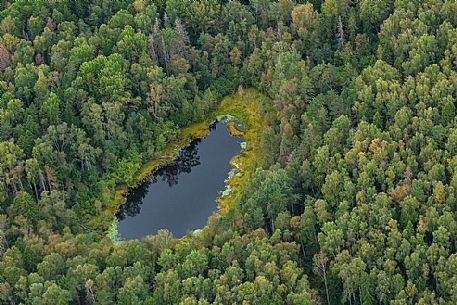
(354, 196)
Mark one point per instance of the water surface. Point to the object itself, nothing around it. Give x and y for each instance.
(181, 196)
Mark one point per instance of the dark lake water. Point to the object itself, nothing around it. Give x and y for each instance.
(181, 196)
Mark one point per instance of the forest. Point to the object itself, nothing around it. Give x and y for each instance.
(354, 197)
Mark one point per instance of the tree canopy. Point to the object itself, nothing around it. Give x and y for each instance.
(353, 200)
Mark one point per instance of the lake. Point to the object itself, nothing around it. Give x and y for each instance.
(181, 196)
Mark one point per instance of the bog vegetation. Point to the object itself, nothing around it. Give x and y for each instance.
(353, 200)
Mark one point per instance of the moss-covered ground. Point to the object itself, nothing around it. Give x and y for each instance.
(248, 106)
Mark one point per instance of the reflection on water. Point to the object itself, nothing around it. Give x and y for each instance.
(181, 196)
(187, 158)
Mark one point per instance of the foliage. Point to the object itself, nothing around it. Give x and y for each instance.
(350, 198)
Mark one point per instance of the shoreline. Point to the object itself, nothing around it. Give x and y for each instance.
(244, 106)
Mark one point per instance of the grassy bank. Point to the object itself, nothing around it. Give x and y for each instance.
(247, 106)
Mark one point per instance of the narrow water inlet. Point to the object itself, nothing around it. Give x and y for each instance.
(181, 196)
